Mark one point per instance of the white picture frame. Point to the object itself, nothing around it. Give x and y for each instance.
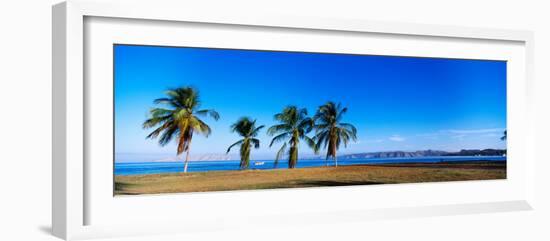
(73, 192)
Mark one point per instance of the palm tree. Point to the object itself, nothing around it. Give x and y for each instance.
(179, 120)
(505, 135)
(330, 132)
(246, 128)
(293, 127)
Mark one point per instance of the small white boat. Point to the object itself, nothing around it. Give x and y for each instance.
(258, 163)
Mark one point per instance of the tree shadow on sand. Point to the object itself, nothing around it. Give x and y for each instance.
(321, 183)
(122, 188)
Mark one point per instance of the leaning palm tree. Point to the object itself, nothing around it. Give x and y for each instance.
(246, 128)
(179, 119)
(293, 127)
(330, 132)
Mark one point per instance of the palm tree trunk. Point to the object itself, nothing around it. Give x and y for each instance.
(334, 154)
(245, 155)
(292, 157)
(186, 161)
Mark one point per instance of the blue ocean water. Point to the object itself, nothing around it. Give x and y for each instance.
(139, 168)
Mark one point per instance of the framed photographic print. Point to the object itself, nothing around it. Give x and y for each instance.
(270, 118)
(302, 119)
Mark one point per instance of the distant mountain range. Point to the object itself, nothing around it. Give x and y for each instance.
(382, 154)
(204, 157)
(217, 157)
(425, 153)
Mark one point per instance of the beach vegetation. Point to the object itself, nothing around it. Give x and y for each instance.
(294, 124)
(247, 129)
(178, 119)
(330, 131)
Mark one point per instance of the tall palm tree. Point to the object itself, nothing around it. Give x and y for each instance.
(293, 127)
(505, 136)
(330, 132)
(179, 119)
(246, 128)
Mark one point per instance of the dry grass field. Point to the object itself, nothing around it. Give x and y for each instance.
(308, 177)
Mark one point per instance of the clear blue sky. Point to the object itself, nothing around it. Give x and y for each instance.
(396, 103)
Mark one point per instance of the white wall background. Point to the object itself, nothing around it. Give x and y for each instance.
(25, 119)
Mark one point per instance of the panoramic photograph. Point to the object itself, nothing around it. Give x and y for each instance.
(190, 119)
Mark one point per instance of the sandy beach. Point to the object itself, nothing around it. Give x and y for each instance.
(309, 177)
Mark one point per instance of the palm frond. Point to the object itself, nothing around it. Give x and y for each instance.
(344, 136)
(341, 112)
(243, 126)
(199, 126)
(321, 137)
(278, 128)
(168, 102)
(157, 116)
(168, 135)
(155, 121)
(184, 140)
(159, 129)
(233, 145)
(212, 113)
(256, 130)
(255, 142)
(160, 112)
(311, 144)
(280, 154)
(348, 127)
(352, 134)
(279, 138)
(306, 124)
(321, 126)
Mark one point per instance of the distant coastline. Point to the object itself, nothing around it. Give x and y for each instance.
(427, 153)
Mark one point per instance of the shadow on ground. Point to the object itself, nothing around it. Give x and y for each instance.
(122, 186)
(46, 229)
(335, 183)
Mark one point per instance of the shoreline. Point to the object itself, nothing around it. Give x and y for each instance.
(316, 159)
(283, 167)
